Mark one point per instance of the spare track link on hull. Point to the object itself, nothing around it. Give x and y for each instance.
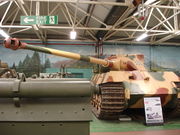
(110, 102)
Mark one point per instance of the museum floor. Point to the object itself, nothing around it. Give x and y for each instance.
(134, 127)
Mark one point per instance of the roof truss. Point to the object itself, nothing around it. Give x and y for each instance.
(161, 24)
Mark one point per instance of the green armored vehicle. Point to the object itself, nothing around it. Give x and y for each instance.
(124, 84)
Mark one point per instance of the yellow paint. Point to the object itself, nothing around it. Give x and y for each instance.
(99, 61)
(178, 96)
(64, 54)
(127, 94)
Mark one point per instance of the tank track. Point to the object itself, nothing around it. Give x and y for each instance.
(178, 100)
(178, 106)
(176, 111)
(110, 102)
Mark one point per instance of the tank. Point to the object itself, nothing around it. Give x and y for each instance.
(123, 84)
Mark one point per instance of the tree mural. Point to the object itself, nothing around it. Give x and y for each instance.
(47, 63)
(32, 65)
(35, 64)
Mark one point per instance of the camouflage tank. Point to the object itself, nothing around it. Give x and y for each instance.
(124, 84)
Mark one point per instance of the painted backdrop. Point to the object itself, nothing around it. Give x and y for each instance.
(156, 57)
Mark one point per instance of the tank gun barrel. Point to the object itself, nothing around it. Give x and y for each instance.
(15, 44)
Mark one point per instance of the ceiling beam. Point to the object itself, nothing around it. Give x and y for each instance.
(164, 18)
(3, 3)
(176, 31)
(111, 19)
(78, 21)
(90, 11)
(165, 38)
(95, 28)
(121, 24)
(166, 12)
(25, 12)
(176, 21)
(67, 11)
(114, 31)
(85, 2)
(133, 33)
(164, 6)
(163, 23)
(25, 29)
(93, 17)
(89, 28)
(5, 13)
(15, 15)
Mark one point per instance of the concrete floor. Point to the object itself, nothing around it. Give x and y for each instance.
(134, 127)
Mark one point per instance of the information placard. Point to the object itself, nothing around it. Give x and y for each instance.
(153, 111)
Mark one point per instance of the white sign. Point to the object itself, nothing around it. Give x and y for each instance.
(153, 111)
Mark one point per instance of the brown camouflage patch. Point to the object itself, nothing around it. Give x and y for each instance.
(140, 57)
(110, 79)
(163, 94)
(131, 66)
(137, 76)
(112, 57)
(162, 91)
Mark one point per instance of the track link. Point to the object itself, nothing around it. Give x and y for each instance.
(176, 111)
(110, 102)
(178, 99)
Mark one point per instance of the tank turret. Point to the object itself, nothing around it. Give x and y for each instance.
(124, 85)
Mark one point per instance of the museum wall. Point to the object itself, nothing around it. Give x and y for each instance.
(156, 57)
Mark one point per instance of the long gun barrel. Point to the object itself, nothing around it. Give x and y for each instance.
(15, 44)
(120, 63)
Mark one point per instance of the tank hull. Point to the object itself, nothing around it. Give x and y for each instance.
(140, 84)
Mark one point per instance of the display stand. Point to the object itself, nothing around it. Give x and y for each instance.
(153, 111)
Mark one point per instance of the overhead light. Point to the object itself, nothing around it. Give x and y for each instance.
(141, 37)
(2, 3)
(4, 34)
(73, 34)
